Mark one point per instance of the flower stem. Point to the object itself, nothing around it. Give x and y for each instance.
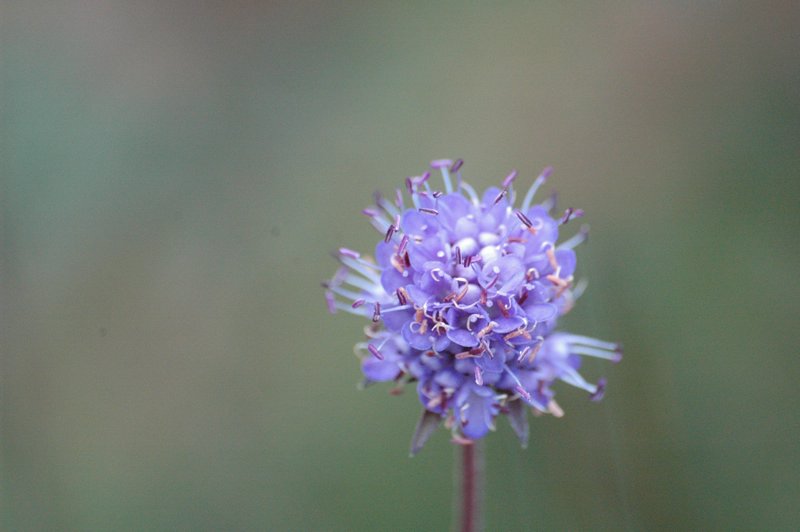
(469, 486)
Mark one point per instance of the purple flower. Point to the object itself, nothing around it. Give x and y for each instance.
(462, 297)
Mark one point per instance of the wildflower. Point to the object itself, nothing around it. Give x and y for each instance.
(463, 297)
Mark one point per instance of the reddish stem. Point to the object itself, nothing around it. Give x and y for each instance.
(470, 486)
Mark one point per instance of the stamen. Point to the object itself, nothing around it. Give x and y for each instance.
(457, 251)
(376, 314)
(535, 351)
(571, 213)
(601, 390)
(576, 239)
(526, 203)
(475, 352)
(372, 213)
(594, 342)
(443, 165)
(551, 256)
(410, 185)
(486, 330)
(500, 196)
(473, 196)
(478, 376)
(615, 356)
(357, 303)
(426, 210)
(437, 194)
(522, 392)
(463, 293)
(457, 165)
(375, 352)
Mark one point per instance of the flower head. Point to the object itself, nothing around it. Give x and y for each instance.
(463, 297)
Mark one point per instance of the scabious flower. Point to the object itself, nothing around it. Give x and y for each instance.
(463, 297)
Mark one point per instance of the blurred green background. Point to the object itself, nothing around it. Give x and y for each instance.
(175, 175)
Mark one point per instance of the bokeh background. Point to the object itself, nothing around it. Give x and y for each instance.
(176, 174)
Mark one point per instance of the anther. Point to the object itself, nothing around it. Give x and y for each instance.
(475, 352)
(478, 376)
(509, 178)
(500, 196)
(486, 330)
(389, 233)
(376, 313)
(437, 194)
(463, 293)
(426, 210)
(402, 295)
(524, 219)
(374, 350)
(349, 253)
(457, 165)
(403, 243)
(534, 352)
(523, 392)
(571, 213)
(357, 303)
(409, 185)
(457, 251)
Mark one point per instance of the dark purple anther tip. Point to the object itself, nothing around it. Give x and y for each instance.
(374, 350)
(389, 233)
(376, 314)
(426, 210)
(458, 254)
(424, 177)
(601, 390)
(457, 165)
(357, 303)
(409, 185)
(499, 196)
(524, 219)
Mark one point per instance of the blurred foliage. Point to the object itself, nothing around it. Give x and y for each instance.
(175, 174)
